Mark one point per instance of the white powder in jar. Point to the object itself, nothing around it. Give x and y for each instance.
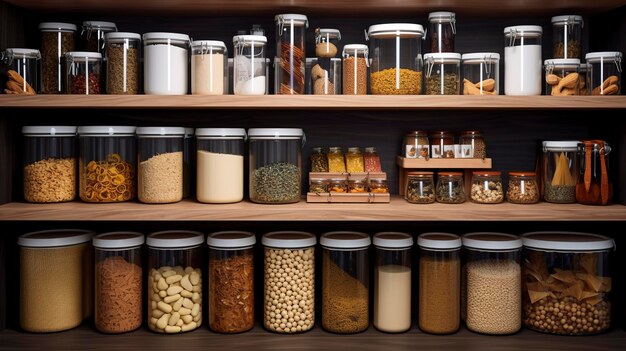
(522, 70)
(165, 69)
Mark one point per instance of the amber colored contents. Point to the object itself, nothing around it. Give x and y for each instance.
(231, 299)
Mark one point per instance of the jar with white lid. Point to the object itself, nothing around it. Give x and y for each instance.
(396, 67)
(220, 164)
(289, 255)
(118, 281)
(481, 73)
(56, 40)
(327, 42)
(567, 37)
(326, 68)
(562, 77)
(443, 73)
(49, 163)
(160, 168)
(94, 33)
(559, 169)
(441, 31)
(174, 281)
(522, 60)
(209, 67)
(189, 162)
(392, 282)
(355, 65)
(165, 63)
(84, 72)
(23, 70)
(290, 50)
(122, 52)
(249, 65)
(606, 72)
(567, 282)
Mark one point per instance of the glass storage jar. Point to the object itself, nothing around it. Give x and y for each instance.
(336, 160)
(371, 160)
(523, 188)
(220, 164)
(567, 37)
(442, 29)
(189, 161)
(174, 281)
(165, 63)
(450, 188)
(357, 186)
(473, 144)
(318, 186)
(606, 72)
(566, 282)
(522, 60)
(439, 282)
(319, 162)
(289, 255)
(396, 67)
(94, 33)
(416, 144)
(338, 185)
(443, 73)
(345, 281)
(492, 282)
(290, 50)
(481, 73)
(442, 144)
(23, 70)
(49, 163)
(327, 42)
(107, 163)
(209, 67)
(56, 40)
(84, 72)
(326, 76)
(249, 65)
(378, 186)
(354, 160)
(420, 188)
(593, 186)
(392, 282)
(584, 76)
(122, 51)
(160, 169)
(559, 168)
(231, 281)
(562, 77)
(487, 187)
(355, 64)
(275, 165)
(118, 281)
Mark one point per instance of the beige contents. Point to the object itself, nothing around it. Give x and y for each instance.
(161, 178)
(207, 76)
(392, 298)
(50, 180)
(220, 177)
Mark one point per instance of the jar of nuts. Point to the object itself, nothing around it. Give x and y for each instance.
(450, 188)
(420, 188)
(487, 187)
(523, 188)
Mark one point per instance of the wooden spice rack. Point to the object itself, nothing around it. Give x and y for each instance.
(332, 197)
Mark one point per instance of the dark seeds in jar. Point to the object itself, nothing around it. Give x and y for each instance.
(450, 85)
(122, 69)
(53, 61)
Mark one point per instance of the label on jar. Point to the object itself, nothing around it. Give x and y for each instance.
(467, 151)
(436, 151)
(416, 151)
(448, 151)
(458, 152)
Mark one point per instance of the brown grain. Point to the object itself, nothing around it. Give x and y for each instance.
(352, 86)
(439, 293)
(50, 180)
(231, 296)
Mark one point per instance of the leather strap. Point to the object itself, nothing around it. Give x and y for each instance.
(604, 176)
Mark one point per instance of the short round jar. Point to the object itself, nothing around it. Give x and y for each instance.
(487, 187)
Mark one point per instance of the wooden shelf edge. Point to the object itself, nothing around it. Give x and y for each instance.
(444, 163)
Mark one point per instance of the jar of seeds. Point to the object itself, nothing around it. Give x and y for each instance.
(319, 162)
(122, 62)
(420, 188)
(487, 187)
(443, 73)
(473, 144)
(450, 188)
(523, 188)
(56, 40)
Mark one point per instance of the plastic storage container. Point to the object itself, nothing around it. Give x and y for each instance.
(443, 73)
(487, 187)
(606, 72)
(345, 281)
(319, 162)
(56, 40)
(567, 37)
(523, 188)
(392, 282)
(336, 160)
(354, 160)
(174, 281)
(441, 31)
(160, 169)
(122, 60)
(522, 60)
(209, 67)
(492, 283)
(396, 67)
(249, 65)
(165, 63)
(355, 65)
(442, 144)
(49, 163)
(439, 282)
(473, 144)
(327, 42)
(84, 72)
(566, 282)
(94, 33)
(231, 281)
(219, 164)
(559, 171)
(107, 163)
(593, 186)
(481, 73)
(326, 70)
(450, 188)
(371, 160)
(562, 77)
(416, 144)
(23, 70)
(289, 255)
(420, 188)
(290, 50)
(118, 281)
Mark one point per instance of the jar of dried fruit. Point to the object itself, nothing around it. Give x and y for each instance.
(338, 185)
(443, 73)
(84, 71)
(378, 186)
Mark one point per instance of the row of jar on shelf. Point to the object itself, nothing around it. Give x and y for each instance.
(554, 282)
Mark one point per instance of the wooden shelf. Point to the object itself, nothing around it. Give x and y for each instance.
(444, 163)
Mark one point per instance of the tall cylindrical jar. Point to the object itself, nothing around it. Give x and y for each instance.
(392, 282)
(326, 69)
(174, 281)
(559, 167)
(23, 70)
(122, 60)
(441, 31)
(593, 184)
(606, 72)
(118, 281)
(290, 50)
(94, 33)
(249, 65)
(56, 40)
(481, 73)
(209, 67)
(562, 77)
(220, 164)
(231, 281)
(289, 256)
(165, 63)
(443, 73)
(567, 37)
(522, 60)
(84, 72)
(355, 64)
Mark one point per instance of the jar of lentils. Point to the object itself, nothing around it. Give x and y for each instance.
(523, 188)
(487, 187)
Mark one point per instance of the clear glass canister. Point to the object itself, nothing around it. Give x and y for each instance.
(473, 144)
(122, 59)
(319, 162)
(357, 186)
(94, 33)
(523, 188)
(49, 163)
(327, 42)
(439, 282)
(174, 281)
(559, 168)
(22, 70)
(118, 281)
(442, 144)
(318, 186)
(567, 37)
(354, 160)
(492, 279)
(522, 60)
(336, 160)
(416, 144)
(562, 77)
(584, 76)
(396, 67)
(209, 67)
(44, 257)
(566, 282)
(56, 40)
(345, 281)
(84, 72)
(220, 164)
(338, 185)
(606, 72)
(441, 31)
(107, 163)
(481, 73)
(450, 188)
(371, 160)
(275, 164)
(392, 282)
(355, 65)
(326, 71)
(487, 187)
(290, 50)
(165, 63)
(249, 65)
(378, 186)
(189, 162)
(593, 186)
(160, 169)
(443, 73)
(231, 281)
(420, 188)
(289, 256)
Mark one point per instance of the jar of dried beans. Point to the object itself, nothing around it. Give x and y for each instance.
(441, 31)
(567, 37)
(523, 188)
(122, 60)
(23, 70)
(371, 160)
(84, 71)
(443, 73)
(57, 39)
(355, 65)
(94, 33)
(606, 72)
(481, 73)
(290, 50)
(562, 77)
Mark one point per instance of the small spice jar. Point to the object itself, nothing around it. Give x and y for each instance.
(338, 185)
(443, 73)
(442, 29)
(562, 77)
(345, 281)
(473, 144)
(357, 186)
(326, 71)
(522, 60)
(290, 49)
(118, 281)
(420, 188)
(354, 160)
(23, 66)
(249, 66)
(559, 168)
(442, 144)
(487, 187)
(378, 186)
(371, 160)
(122, 61)
(593, 186)
(209, 67)
(439, 282)
(584, 79)
(289, 255)
(84, 71)
(231, 281)
(49, 163)
(416, 144)
(336, 160)
(56, 40)
(94, 33)
(481, 73)
(355, 65)
(606, 72)
(165, 63)
(319, 162)
(567, 37)
(392, 282)
(450, 188)
(492, 283)
(523, 188)
(174, 281)
(318, 186)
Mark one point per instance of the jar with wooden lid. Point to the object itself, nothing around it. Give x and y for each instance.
(487, 187)
(523, 188)
(416, 144)
(450, 188)
(420, 188)
(442, 144)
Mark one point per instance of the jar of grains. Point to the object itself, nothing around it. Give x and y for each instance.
(523, 188)
(492, 277)
(336, 160)
(174, 281)
(231, 281)
(392, 282)
(122, 61)
(439, 282)
(420, 188)
(481, 73)
(522, 60)
(416, 144)
(487, 187)
(473, 144)
(94, 33)
(559, 168)
(56, 40)
(165, 63)
(354, 160)
(118, 281)
(442, 29)
(22, 70)
(562, 77)
(209, 67)
(49, 163)
(345, 281)
(450, 188)
(250, 69)
(319, 162)
(442, 144)
(355, 64)
(84, 72)
(290, 40)
(443, 73)
(606, 72)
(289, 256)
(567, 37)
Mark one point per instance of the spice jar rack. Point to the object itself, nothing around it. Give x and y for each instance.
(371, 196)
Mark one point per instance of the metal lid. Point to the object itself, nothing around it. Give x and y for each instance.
(160, 131)
(525, 30)
(221, 132)
(55, 238)
(492, 241)
(100, 25)
(606, 55)
(569, 145)
(122, 35)
(249, 38)
(393, 240)
(83, 55)
(567, 19)
(118, 240)
(289, 240)
(567, 241)
(175, 239)
(439, 241)
(297, 18)
(275, 132)
(443, 56)
(54, 26)
(106, 130)
(486, 56)
(396, 29)
(442, 17)
(51, 131)
(345, 240)
(231, 239)
(208, 43)
(164, 35)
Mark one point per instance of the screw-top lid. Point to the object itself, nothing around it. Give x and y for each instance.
(442, 17)
(439, 241)
(567, 241)
(175, 239)
(49, 131)
(160, 131)
(567, 19)
(110, 26)
(55, 238)
(240, 39)
(57, 26)
(482, 56)
(288, 17)
(492, 241)
(396, 29)
(106, 130)
(289, 240)
(221, 132)
(393, 240)
(603, 55)
(231, 240)
(82, 55)
(443, 57)
(275, 133)
(208, 43)
(165, 36)
(527, 31)
(345, 240)
(569, 145)
(122, 35)
(118, 240)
